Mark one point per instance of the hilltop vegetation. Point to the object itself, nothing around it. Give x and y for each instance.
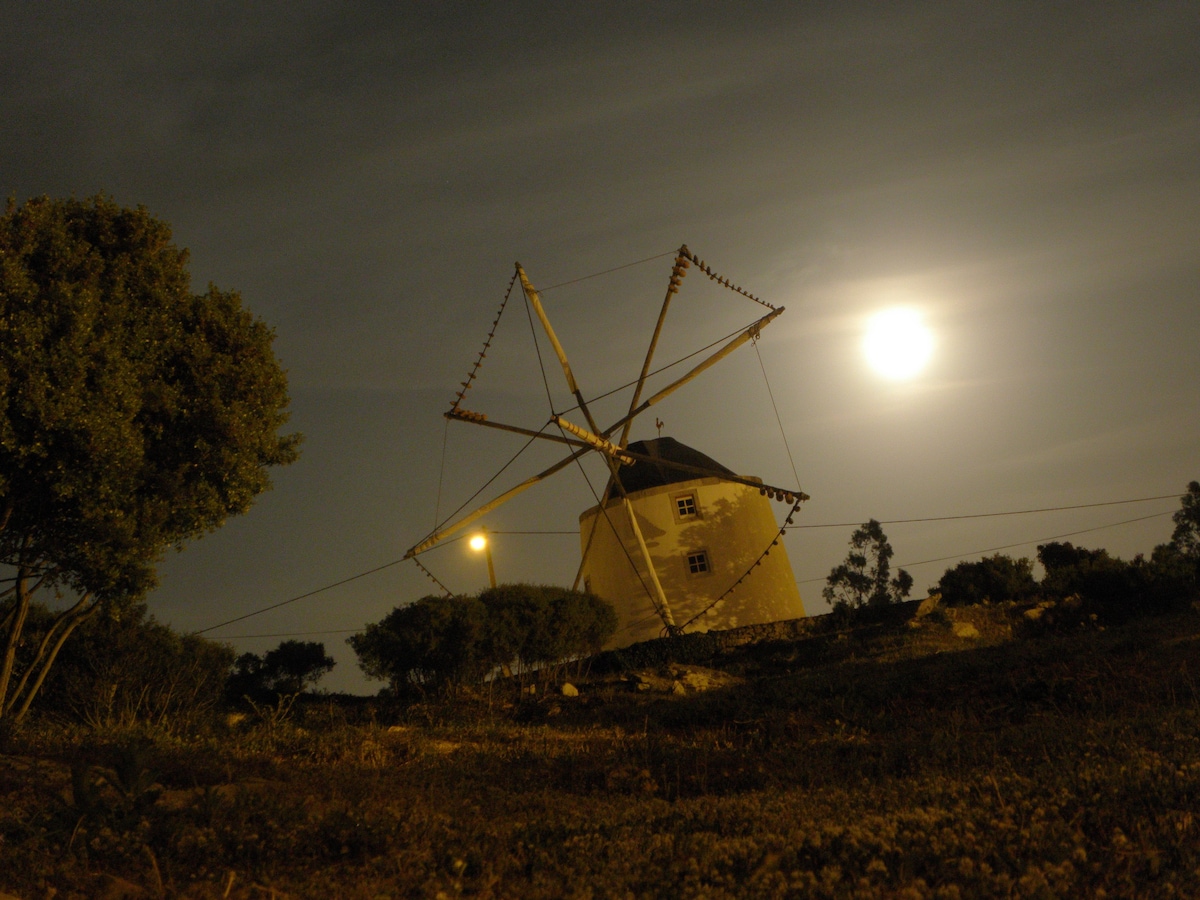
(882, 754)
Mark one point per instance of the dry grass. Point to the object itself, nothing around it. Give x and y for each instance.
(882, 761)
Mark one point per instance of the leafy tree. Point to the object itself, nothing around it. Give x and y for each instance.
(445, 642)
(540, 626)
(134, 415)
(996, 579)
(1175, 566)
(1106, 583)
(1186, 537)
(290, 668)
(435, 642)
(863, 579)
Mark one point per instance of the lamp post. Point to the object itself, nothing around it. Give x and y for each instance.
(480, 542)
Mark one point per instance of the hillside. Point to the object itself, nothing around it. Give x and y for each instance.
(984, 752)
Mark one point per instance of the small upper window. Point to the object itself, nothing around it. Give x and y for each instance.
(698, 562)
(685, 506)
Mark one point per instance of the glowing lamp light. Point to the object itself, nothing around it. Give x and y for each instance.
(480, 542)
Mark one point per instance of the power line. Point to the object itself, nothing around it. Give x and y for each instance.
(1018, 512)
(232, 637)
(607, 271)
(319, 590)
(1053, 537)
(1015, 512)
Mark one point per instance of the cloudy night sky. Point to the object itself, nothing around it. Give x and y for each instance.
(1024, 176)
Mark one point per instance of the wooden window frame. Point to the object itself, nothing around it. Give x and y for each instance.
(686, 495)
(700, 556)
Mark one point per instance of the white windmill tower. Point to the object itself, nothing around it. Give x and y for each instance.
(677, 541)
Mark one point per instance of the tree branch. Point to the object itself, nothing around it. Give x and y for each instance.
(72, 618)
(14, 625)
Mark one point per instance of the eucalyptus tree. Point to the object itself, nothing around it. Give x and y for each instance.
(134, 416)
(863, 579)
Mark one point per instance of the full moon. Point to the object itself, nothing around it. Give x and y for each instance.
(897, 343)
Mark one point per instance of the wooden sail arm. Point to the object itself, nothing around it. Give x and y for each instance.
(748, 334)
(632, 456)
(605, 446)
(438, 536)
(677, 273)
(476, 418)
(536, 302)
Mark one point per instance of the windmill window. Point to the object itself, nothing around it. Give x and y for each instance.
(698, 563)
(685, 506)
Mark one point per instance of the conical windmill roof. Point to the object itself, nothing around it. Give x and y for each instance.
(643, 474)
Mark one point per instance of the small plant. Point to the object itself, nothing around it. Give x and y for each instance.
(272, 716)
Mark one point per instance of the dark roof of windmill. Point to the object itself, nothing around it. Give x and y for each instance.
(645, 474)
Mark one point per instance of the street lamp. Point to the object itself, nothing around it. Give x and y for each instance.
(480, 542)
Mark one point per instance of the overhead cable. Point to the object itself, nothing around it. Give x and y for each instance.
(1053, 537)
(1018, 512)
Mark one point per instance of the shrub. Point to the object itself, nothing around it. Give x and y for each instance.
(446, 642)
(436, 642)
(123, 668)
(1115, 587)
(541, 626)
(997, 579)
(290, 668)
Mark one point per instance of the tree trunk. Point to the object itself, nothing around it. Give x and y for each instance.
(73, 619)
(15, 625)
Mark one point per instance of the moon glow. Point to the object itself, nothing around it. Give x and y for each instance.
(897, 343)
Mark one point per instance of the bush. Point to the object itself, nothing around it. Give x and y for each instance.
(446, 642)
(123, 668)
(995, 579)
(436, 642)
(290, 668)
(541, 626)
(1114, 587)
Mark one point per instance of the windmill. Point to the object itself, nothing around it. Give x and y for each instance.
(677, 494)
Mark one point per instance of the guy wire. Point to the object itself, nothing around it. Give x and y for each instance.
(771, 394)
(609, 271)
(437, 509)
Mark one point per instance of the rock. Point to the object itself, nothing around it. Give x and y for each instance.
(928, 605)
(696, 681)
(1034, 614)
(569, 690)
(965, 630)
(678, 689)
